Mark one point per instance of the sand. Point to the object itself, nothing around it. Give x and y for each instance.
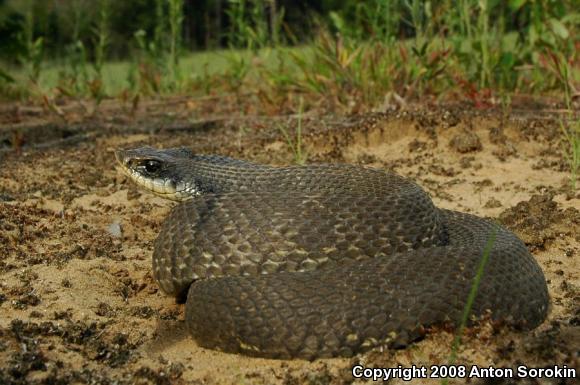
(78, 303)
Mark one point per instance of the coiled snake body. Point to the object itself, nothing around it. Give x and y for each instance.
(322, 260)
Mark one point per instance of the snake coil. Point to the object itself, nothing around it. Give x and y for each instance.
(322, 260)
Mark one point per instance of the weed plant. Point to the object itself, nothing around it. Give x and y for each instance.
(156, 68)
(147, 67)
(295, 144)
(471, 297)
(33, 52)
(101, 42)
(571, 135)
(252, 27)
(30, 58)
(175, 28)
(74, 77)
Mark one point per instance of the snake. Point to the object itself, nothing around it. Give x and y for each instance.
(324, 260)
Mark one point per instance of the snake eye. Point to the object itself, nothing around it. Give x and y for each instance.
(151, 166)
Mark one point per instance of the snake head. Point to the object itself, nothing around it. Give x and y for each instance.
(159, 171)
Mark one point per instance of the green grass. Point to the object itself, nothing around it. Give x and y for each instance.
(295, 144)
(115, 74)
(344, 73)
(206, 72)
(359, 57)
(175, 27)
(471, 298)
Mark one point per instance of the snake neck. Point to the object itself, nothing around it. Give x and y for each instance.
(179, 174)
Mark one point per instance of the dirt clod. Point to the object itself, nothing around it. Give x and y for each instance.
(465, 142)
(540, 220)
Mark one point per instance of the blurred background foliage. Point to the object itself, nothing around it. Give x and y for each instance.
(346, 48)
(209, 24)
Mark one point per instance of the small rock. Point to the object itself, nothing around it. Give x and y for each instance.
(465, 162)
(133, 193)
(484, 182)
(35, 314)
(104, 310)
(6, 198)
(417, 145)
(366, 159)
(465, 142)
(492, 204)
(504, 151)
(497, 136)
(115, 229)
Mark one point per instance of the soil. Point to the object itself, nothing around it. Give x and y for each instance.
(78, 303)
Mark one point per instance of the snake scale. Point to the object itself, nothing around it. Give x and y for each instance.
(323, 260)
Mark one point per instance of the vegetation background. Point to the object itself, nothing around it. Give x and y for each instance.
(353, 52)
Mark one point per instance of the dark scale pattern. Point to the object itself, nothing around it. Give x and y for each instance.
(267, 232)
(327, 260)
(356, 306)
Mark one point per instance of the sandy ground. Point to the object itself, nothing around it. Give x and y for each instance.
(78, 303)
